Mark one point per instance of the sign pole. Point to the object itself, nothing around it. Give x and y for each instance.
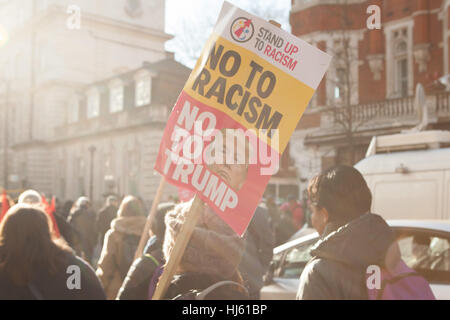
(180, 246)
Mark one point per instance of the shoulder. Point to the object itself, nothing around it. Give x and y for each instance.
(323, 268)
(90, 285)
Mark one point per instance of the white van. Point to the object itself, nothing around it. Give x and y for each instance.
(409, 175)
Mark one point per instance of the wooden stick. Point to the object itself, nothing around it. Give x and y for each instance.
(275, 23)
(180, 246)
(145, 234)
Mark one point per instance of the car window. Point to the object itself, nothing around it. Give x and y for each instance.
(427, 253)
(295, 260)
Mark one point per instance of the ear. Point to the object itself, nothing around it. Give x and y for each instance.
(324, 215)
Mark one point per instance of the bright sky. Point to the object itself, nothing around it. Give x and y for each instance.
(191, 22)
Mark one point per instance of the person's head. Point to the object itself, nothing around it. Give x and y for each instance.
(270, 200)
(112, 201)
(83, 202)
(234, 173)
(30, 197)
(26, 244)
(157, 224)
(338, 195)
(130, 207)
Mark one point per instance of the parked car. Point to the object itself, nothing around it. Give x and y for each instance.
(290, 258)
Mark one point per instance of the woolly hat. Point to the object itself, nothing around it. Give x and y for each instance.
(214, 248)
(30, 197)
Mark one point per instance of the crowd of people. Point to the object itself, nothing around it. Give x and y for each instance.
(40, 243)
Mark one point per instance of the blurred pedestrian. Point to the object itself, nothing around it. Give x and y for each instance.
(105, 216)
(65, 209)
(137, 281)
(272, 209)
(82, 220)
(259, 242)
(35, 266)
(212, 255)
(284, 228)
(120, 244)
(351, 239)
(296, 211)
(33, 197)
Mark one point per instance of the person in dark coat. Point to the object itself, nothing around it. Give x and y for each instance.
(136, 284)
(351, 238)
(64, 210)
(35, 266)
(259, 242)
(105, 216)
(285, 228)
(82, 220)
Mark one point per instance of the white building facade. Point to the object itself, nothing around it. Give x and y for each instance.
(54, 51)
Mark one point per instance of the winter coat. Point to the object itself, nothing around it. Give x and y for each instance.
(213, 254)
(82, 221)
(118, 251)
(258, 252)
(104, 218)
(66, 231)
(342, 255)
(214, 248)
(137, 282)
(55, 286)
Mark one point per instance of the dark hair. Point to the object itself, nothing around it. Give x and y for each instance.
(157, 224)
(341, 190)
(26, 245)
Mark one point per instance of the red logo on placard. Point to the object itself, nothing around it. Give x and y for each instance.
(242, 29)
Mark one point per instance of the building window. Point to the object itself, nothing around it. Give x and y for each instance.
(143, 89)
(93, 103)
(74, 107)
(399, 60)
(116, 96)
(401, 69)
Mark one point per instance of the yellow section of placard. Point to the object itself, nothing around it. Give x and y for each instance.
(250, 90)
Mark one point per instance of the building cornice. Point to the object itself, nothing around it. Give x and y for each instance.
(300, 5)
(44, 17)
(149, 125)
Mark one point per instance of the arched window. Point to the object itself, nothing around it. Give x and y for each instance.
(399, 59)
(116, 96)
(401, 67)
(143, 88)
(93, 103)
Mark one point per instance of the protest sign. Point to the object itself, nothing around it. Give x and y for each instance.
(233, 119)
(242, 102)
